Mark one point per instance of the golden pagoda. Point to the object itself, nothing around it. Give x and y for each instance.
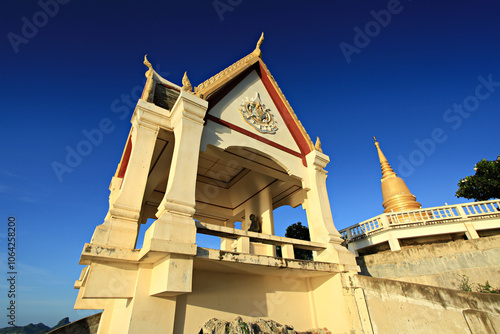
(395, 193)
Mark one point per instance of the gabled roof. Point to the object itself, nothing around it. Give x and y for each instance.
(215, 88)
(208, 87)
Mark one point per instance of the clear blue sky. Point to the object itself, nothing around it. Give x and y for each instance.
(403, 76)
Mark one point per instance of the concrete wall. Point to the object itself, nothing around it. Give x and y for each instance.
(380, 305)
(302, 302)
(440, 264)
(400, 307)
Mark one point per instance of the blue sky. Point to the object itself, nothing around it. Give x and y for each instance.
(350, 69)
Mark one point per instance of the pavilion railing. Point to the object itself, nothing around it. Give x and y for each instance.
(244, 238)
(439, 214)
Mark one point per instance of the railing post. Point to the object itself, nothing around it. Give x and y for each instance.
(226, 243)
(384, 220)
(471, 232)
(243, 245)
(349, 234)
(393, 242)
(287, 251)
(461, 211)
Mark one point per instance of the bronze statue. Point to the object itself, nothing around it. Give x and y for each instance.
(255, 226)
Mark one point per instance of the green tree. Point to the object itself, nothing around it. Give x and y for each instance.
(299, 231)
(484, 185)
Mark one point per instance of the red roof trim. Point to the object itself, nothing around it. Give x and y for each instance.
(126, 158)
(252, 135)
(292, 126)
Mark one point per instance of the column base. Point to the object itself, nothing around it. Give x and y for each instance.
(117, 233)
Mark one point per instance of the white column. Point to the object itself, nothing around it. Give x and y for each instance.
(393, 242)
(319, 214)
(187, 120)
(471, 231)
(174, 231)
(266, 211)
(120, 226)
(262, 207)
(173, 234)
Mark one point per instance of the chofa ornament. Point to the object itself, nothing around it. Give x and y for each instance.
(257, 115)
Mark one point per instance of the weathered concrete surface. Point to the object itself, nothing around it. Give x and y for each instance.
(88, 325)
(401, 307)
(440, 264)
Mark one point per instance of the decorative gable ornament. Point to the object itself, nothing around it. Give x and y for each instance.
(257, 115)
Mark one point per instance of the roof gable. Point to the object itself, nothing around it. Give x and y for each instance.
(253, 81)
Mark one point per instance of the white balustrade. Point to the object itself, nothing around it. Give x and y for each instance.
(440, 214)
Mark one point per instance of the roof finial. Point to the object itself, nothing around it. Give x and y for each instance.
(317, 146)
(146, 61)
(257, 51)
(186, 84)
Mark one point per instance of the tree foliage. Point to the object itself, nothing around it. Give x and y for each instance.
(483, 185)
(299, 231)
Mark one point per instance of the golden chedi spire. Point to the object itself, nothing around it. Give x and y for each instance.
(395, 193)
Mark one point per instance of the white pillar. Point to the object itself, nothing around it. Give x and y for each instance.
(173, 234)
(266, 211)
(187, 121)
(174, 231)
(120, 226)
(262, 207)
(393, 242)
(471, 231)
(319, 214)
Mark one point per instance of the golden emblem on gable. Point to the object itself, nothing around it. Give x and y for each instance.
(257, 115)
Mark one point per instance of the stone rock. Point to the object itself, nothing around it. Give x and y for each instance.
(260, 326)
(214, 326)
(318, 331)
